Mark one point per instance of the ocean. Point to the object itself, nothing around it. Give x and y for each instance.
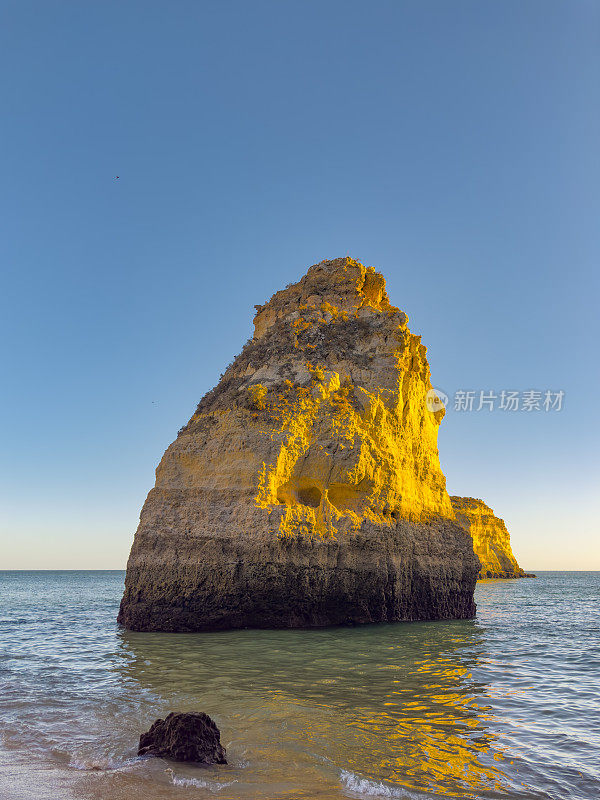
(503, 706)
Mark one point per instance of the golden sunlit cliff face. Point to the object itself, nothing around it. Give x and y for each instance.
(346, 401)
(491, 540)
(306, 489)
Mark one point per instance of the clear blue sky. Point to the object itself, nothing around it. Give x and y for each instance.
(452, 145)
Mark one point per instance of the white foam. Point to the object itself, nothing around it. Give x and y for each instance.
(361, 786)
(212, 786)
(97, 764)
(101, 763)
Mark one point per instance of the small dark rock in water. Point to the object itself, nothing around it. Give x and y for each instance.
(189, 736)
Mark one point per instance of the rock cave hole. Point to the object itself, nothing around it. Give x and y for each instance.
(346, 498)
(309, 496)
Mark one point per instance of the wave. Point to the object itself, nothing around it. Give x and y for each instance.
(100, 763)
(366, 788)
(212, 786)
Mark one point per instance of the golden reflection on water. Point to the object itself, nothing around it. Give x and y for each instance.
(397, 703)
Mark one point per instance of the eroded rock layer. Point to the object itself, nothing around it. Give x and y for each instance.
(306, 489)
(491, 540)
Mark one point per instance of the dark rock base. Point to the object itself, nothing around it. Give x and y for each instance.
(414, 572)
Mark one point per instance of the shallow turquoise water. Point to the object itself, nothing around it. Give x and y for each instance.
(504, 706)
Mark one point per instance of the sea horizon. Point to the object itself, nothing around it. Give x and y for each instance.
(124, 569)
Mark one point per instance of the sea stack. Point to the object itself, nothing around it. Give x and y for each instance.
(306, 490)
(491, 540)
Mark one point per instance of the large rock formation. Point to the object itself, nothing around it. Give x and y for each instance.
(491, 540)
(306, 489)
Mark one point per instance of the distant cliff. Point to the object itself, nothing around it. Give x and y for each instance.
(306, 490)
(491, 540)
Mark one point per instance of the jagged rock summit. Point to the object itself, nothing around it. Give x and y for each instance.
(491, 540)
(306, 489)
